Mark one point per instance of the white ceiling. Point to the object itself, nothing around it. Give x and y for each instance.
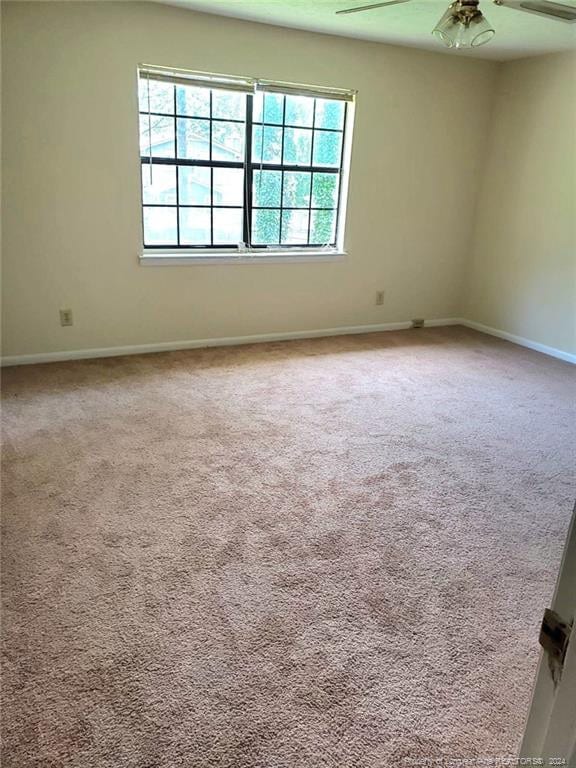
(518, 33)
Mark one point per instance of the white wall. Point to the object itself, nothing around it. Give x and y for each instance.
(71, 176)
(522, 276)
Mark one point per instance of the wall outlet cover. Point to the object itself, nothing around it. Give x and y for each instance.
(66, 317)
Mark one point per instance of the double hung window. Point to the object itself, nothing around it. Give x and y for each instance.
(236, 164)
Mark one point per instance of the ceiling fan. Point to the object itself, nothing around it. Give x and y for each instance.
(463, 25)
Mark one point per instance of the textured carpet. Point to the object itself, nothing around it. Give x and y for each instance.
(330, 553)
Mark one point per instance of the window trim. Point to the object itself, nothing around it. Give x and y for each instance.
(234, 256)
(171, 255)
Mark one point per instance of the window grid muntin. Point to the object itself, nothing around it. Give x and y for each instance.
(241, 122)
(249, 168)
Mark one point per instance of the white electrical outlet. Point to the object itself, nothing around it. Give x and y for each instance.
(379, 298)
(66, 317)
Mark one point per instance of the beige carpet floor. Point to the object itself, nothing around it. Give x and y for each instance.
(318, 554)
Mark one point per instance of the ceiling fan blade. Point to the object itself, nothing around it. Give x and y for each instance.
(372, 7)
(551, 10)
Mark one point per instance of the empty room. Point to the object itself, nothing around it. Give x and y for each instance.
(288, 383)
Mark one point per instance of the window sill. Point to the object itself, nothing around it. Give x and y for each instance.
(178, 259)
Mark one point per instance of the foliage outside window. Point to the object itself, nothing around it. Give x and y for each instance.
(222, 169)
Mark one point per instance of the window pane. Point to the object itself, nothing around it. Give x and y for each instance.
(325, 190)
(329, 114)
(228, 105)
(294, 227)
(266, 227)
(227, 225)
(296, 193)
(258, 101)
(193, 139)
(273, 108)
(194, 185)
(299, 110)
(266, 188)
(297, 146)
(192, 101)
(161, 96)
(228, 186)
(323, 227)
(160, 226)
(161, 186)
(194, 226)
(161, 136)
(228, 141)
(327, 148)
(267, 147)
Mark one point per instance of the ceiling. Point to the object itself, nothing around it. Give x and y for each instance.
(518, 34)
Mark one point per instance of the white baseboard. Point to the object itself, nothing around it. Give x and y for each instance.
(535, 345)
(171, 346)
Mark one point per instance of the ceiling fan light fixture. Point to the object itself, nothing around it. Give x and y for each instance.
(445, 29)
(463, 25)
